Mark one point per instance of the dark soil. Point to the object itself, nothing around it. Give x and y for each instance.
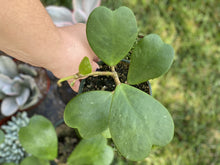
(67, 141)
(107, 83)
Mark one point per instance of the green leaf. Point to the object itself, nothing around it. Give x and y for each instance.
(88, 112)
(111, 34)
(150, 59)
(9, 164)
(93, 151)
(39, 138)
(2, 136)
(138, 121)
(106, 134)
(34, 161)
(85, 66)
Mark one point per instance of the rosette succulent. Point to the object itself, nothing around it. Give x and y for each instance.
(62, 16)
(18, 89)
(11, 150)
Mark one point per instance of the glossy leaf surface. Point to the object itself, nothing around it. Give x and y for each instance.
(39, 138)
(92, 151)
(34, 161)
(150, 59)
(85, 66)
(138, 121)
(111, 34)
(88, 112)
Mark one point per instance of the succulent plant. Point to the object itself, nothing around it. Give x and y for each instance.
(11, 149)
(62, 16)
(18, 89)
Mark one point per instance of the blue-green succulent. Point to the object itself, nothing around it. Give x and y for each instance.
(18, 89)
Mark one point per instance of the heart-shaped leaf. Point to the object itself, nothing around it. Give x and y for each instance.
(39, 138)
(137, 121)
(88, 112)
(150, 59)
(111, 34)
(2, 136)
(92, 151)
(85, 66)
(34, 161)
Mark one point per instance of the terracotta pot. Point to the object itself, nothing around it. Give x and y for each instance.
(43, 83)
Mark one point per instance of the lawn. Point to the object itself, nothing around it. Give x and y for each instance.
(191, 89)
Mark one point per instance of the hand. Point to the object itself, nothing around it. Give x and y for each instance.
(76, 47)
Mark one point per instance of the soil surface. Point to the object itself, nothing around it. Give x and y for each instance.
(107, 83)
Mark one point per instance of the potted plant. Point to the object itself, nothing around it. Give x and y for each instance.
(134, 120)
(20, 86)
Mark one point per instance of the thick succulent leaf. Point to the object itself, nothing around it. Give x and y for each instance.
(4, 80)
(111, 34)
(9, 106)
(12, 89)
(26, 69)
(34, 161)
(82, 9)
(39, 138)
(23, 97)
(150, 59)
(28, 81)
(2, 136)
(35, 92)
(92, 151)
(61, 16)
(88, 112)
(8, 66)
(85, 66)
(138, 121)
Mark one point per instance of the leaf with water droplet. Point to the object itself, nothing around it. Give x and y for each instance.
(88, 112)
(137, 122)
(39, 138)
(151, 58)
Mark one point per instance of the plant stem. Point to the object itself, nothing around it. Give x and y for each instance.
(115, 76)
(80, 76)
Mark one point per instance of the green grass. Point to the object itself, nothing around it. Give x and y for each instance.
(191, 89)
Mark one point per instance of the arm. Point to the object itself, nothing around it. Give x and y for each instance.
(28, 34)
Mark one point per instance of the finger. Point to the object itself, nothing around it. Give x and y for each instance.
(94, 66)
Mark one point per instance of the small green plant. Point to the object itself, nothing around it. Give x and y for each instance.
(18, 89)
(135, 120)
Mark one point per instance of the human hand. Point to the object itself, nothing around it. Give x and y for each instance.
(75, 48)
